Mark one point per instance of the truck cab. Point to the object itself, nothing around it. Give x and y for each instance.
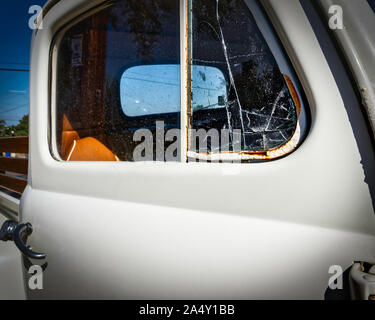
(196, 149)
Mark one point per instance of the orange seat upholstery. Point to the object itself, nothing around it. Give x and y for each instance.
(90, 149)
(68, 135)
(73, 148)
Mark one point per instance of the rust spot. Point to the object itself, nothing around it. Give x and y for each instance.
(275, 153)
(244, 156)
(293, 93)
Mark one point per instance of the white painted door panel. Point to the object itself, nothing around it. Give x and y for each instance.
(115, 249)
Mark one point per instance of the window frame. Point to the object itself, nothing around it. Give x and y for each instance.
(185, 89)
(55, 43)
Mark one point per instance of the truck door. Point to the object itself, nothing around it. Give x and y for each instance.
(191, 149)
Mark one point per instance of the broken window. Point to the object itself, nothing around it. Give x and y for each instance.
(117, 84)
(261, 107)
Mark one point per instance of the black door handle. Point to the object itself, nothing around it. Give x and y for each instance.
(7, 229)
(19, 233)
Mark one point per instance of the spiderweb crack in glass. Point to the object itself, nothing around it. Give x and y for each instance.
(225, 35)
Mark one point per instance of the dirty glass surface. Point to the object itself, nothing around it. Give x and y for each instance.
(94, 54)
(225, 35)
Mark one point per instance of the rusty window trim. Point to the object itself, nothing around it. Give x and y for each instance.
(246, 156)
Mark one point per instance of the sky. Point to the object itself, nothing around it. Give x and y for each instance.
(15, 37)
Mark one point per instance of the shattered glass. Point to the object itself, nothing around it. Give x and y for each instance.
(258, 102)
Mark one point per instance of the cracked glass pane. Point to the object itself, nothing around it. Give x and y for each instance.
(258, 100)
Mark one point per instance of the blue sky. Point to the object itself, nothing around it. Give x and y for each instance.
(15, 37)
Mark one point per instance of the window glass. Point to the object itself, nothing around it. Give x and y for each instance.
(116, 92)
(261, 108)
(112, 68)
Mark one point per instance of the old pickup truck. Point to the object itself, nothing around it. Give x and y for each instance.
(201, 149)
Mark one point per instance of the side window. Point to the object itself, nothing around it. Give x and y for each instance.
(258, 112)
(116, 85)
(116, 73)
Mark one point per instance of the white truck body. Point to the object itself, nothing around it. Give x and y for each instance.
(135, 230)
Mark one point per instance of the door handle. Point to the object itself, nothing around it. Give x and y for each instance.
(19, 234)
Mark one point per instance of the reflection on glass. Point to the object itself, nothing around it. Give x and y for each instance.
(154, 89)
(150, 89)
